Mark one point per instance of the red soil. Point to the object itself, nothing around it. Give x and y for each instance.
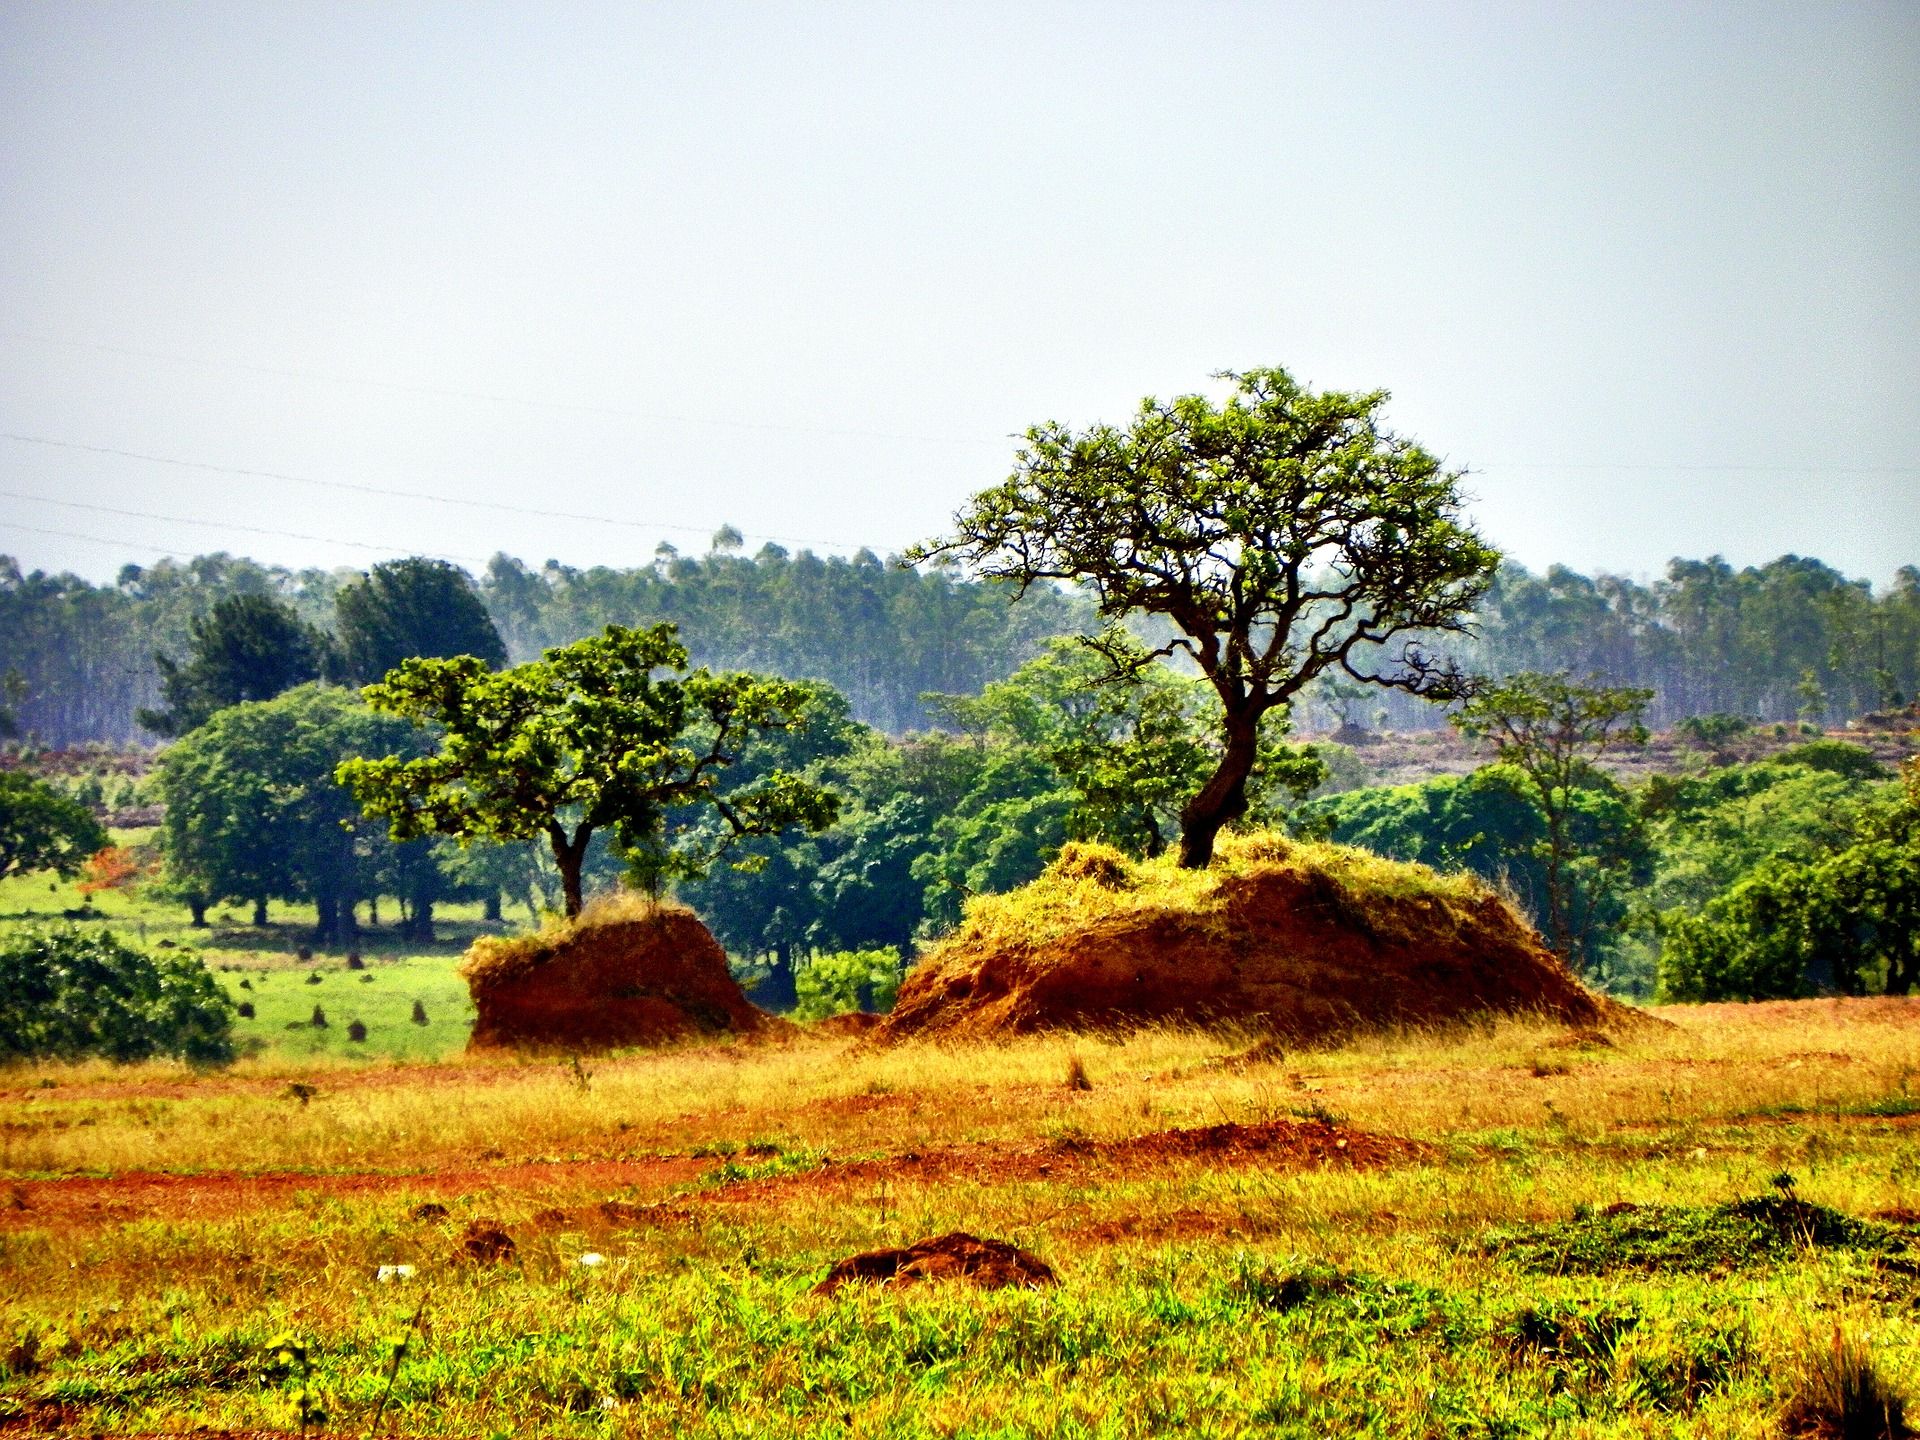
(1278, 1143)
(87, 1201)
(1287, 949)
(618, 982)
(987, 1264)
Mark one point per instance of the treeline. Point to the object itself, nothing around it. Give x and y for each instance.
(1792, 639)
(81, 658)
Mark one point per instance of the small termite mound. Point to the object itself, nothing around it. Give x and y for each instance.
(628, 971)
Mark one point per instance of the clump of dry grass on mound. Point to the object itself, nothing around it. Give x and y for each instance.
(1306, 940)
(627, 971)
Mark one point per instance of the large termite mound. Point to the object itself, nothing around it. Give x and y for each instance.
(628, 971)
(1309, 941)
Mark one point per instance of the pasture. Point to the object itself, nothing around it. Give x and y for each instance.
(1509, 1230)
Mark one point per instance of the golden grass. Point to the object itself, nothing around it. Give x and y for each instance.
(709, 1300)
(1716, 1066)
(493, 958)
(1091, 883)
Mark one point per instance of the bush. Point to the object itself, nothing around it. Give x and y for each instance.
(832, 983)
(68, 993)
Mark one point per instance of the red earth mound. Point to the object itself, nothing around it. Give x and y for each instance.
(989, 1264)
(631, 974)
(1282, 939)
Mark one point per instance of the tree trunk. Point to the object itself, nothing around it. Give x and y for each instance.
(420, 926)
(1224, 797)
(569, 854)
(198, 909)
(259, 913)
(327, 911)
(778, 992)
(493, 906)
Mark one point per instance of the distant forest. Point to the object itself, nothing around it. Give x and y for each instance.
(1792, 639)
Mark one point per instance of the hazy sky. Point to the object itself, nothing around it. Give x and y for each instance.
(1650, 272)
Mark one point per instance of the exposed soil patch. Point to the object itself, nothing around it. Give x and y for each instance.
(630, 974)
(986, 1264)
(89, 1202)
(486, 1242)
(852, 1023)
(1309, 943)
(1281, 1143)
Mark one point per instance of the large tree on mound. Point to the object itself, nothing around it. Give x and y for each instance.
(609, 733)
(1285, 534)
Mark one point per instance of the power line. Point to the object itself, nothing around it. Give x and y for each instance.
(215, 525)
(360, 489)
(449, 392)
(1678, 469)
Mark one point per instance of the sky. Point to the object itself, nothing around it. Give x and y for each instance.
(327, 283)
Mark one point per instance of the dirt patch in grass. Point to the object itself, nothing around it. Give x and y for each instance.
(1309, 942)
(984, 1264)
(626, 972)
(1279, 1143)
(91, 1202)
(1765, 1229)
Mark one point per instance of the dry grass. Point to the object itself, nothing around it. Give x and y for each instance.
(1089, 883)
(496, 958)
(699, 1323)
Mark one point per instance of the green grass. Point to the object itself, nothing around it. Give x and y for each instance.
(399, 971)
(381, 997)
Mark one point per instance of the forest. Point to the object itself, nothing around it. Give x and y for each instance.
(1790, 640)
(974, 763)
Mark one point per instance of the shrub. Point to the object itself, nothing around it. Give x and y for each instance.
(67, 993)
(834, 982)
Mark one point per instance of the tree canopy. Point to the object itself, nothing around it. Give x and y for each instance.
(253, 811)
(611, 733)
(1551, 730)
(41, 829)
(248, 647)
(1285, 534)
(413, 608)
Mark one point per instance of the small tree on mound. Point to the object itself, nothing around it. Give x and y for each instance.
(613, 733)
(1285, 534)
(67, 994)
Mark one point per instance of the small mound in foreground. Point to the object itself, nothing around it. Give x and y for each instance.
(988, 1264)
(1308, 941)
(628, 971)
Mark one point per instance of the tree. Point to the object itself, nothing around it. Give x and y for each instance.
(248, 647)
(1490, 822)
(41, 829)
(253, 811)
(1552, 731)
(1794, 926)
(413, 608)
(68, 993)
(590, 737)
(1285, 534)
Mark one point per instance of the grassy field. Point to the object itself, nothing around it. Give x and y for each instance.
(1577, 1238)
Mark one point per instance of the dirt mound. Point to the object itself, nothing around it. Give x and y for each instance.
(989, 1264)
(1310, 1142)
(627, 972)
(1306, 941)
(486, 1242)
(852, 1022)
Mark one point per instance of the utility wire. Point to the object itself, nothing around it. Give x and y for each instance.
(708, 421)
(532, 404)
(213, 525)
(359, 489)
